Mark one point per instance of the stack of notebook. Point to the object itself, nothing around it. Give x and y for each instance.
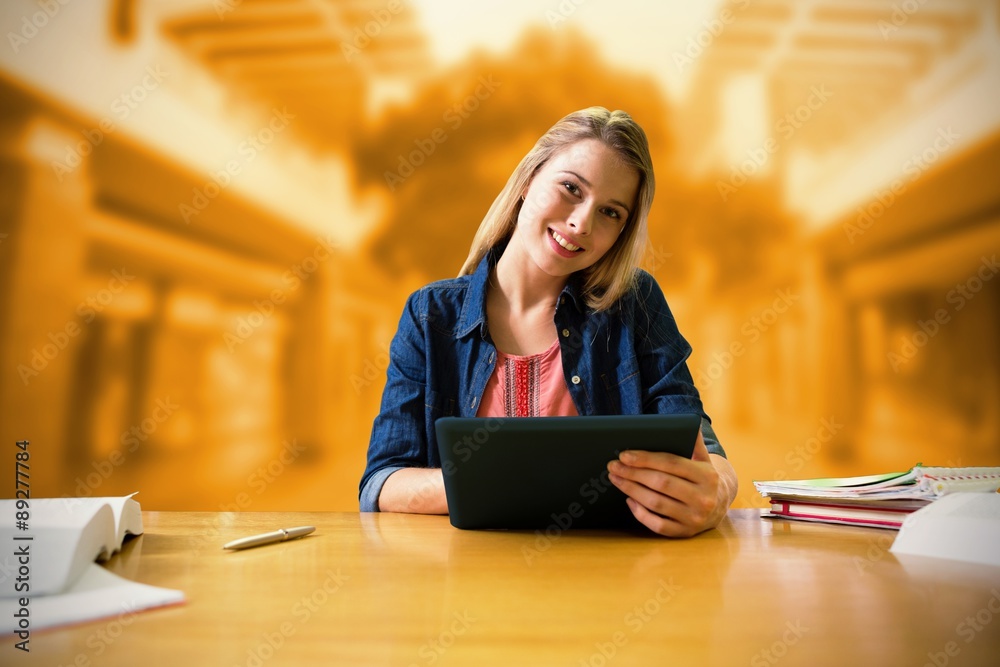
(880, 501)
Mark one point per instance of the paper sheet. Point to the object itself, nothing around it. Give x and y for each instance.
(98, 593)
(958, 526)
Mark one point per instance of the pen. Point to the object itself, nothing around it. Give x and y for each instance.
(279, 535)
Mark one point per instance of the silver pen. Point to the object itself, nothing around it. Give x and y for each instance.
(279, 535)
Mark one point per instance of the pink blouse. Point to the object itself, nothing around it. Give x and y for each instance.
(531, 386)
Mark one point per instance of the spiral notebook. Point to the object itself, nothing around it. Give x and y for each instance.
(919, 483)
(877, 501)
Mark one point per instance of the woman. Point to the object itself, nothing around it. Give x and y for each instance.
(551, 315)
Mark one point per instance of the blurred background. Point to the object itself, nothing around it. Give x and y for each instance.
(211, 214)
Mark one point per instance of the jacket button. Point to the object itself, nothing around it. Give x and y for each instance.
(576, 379)
(565, 333)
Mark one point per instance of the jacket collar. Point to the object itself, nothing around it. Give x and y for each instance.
(473, 313)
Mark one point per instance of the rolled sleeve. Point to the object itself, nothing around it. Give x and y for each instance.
(372, 488)
(711, 440)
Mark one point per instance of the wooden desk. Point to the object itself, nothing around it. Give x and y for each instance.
(392, 589)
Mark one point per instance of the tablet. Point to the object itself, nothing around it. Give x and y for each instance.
(548, 472)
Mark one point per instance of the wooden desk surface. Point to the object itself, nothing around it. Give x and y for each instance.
(390, 589)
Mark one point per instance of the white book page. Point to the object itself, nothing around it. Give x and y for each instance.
(98, 593)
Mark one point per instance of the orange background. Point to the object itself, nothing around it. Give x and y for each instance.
(212, 213)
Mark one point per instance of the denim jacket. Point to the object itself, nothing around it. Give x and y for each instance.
(629, 359)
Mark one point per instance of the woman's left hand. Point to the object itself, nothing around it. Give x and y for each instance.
(670, 494)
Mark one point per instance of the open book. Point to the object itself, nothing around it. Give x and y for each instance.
(49, 562)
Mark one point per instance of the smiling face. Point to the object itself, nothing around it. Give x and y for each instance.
(575, 207)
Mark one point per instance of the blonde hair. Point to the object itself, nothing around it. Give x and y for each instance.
(615, 273)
